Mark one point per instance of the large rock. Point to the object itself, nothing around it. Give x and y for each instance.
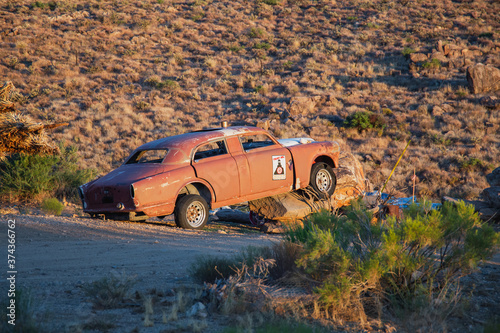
(483, 79)
(418, 57)
(494, 177)
(492, 195)
(351, 182)
(296, 205)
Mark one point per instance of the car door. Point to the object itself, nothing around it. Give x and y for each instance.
(212, 162)
(270, 164)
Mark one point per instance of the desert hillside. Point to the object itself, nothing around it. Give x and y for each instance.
(370, 74)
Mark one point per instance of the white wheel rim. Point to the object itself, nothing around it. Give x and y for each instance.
(195, 214)
(323, 180)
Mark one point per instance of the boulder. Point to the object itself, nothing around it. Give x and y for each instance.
(418, 57)
(494, 177)
(351, 182)
(439, 56)
(489, 214)
(287, 206)
(483, 78)
(492, 196)
(296, 205)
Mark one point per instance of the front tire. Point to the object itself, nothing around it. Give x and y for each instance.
(323, 179)
(191, 212)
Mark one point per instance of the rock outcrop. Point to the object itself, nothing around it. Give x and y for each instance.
(494, 177)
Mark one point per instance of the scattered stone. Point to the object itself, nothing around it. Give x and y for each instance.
(272, 228)
(494, 177)
(470, 54)
(197, 309)
(483, 78)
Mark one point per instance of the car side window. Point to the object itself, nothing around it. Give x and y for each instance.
(214, 148)
(250, 142)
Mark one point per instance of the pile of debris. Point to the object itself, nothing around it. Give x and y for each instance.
(293, 206)
(18, 132)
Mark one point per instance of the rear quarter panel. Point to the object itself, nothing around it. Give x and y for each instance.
(156, 195)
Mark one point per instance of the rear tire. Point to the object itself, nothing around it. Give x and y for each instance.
(323, 180)
(191, 212)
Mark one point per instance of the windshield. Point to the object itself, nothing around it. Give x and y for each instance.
(148, 156)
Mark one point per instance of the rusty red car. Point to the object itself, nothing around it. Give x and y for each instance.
(191, 173)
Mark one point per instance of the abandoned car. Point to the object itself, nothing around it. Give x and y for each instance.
(191, 173)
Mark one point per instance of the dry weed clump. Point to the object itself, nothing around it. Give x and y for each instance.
(352, 268)
(243, 61)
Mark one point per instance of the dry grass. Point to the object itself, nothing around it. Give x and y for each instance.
(124, 73)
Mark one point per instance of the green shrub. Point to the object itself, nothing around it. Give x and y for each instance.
(417, 258)
(407, 51)
(263, 45)
(27, 176)
(471, 164)
(434, 63)
(68, 174)
(31, 177)
(271, 2)
(52, 206)
(256, 32)
(39, 4)
(169, 84)
(364, 120)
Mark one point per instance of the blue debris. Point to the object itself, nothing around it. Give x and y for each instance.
(401, 202)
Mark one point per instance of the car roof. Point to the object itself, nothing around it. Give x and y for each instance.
(193, 139)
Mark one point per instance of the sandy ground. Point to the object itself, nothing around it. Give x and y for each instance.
(55, 256)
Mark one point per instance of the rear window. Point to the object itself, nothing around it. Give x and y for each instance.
(148, 156)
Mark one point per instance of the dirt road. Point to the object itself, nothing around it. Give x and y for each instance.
(56, 255)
